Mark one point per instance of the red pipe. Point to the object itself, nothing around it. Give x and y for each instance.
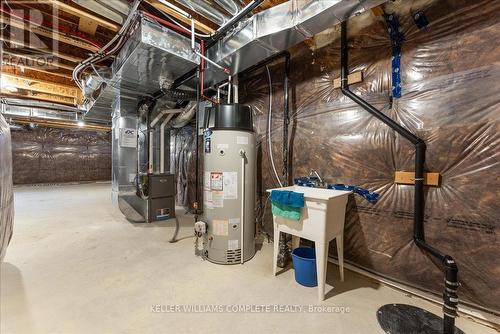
(168, 24)
(187, 34)
(202, 76)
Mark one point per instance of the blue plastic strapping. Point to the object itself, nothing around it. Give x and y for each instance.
(370, 196)
(397, 38)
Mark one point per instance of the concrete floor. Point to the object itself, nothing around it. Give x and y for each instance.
(75, 265)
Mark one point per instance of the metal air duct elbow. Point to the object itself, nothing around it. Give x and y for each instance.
(186, 116)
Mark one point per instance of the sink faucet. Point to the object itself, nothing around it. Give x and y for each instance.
(315, 173)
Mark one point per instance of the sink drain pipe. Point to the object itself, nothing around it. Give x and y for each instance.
(450, 268)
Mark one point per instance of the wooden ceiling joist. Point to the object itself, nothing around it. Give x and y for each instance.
(59, 124)
(35, 74)
(43, 97)
(198, 25)
(55, 53)
(30, 60)
(41, 86)
(42, 31)
(72, 9)
(37, 69)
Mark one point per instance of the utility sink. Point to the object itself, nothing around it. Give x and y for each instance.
(322, 220)
(311, 193)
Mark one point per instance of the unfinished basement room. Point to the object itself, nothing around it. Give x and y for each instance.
(250, 166)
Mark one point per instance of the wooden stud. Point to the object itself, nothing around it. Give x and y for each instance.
(430, 178)
(43, 97)
(378, 11)
(30, 58)
(81, 13)
(58, 123)
(37, 69)
(42, 31)
(352, 78)
(41, 86)
(35, 74)
(88, 26)
(46, 51)
(198, 25)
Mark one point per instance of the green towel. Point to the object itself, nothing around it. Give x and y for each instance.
(286, 211)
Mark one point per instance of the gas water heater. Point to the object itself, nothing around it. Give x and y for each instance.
(229, 176)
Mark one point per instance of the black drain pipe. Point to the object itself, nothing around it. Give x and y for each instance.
(450, 297)
(196, 203)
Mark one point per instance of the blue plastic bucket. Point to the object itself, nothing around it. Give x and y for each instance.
(304, 263)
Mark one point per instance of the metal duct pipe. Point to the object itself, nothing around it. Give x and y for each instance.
(186, 116)
(231, 6)
(234, 21)
(206, 10)
(450, 297)
(273, 30)
(38, 113)
(162, 142)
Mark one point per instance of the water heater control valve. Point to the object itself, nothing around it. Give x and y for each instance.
(200, 228)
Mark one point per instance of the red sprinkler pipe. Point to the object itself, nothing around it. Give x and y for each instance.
(202, 76)
(202, 46)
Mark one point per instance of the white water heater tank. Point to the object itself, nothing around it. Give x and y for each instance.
(229, 178)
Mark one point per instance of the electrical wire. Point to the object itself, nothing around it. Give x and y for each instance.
(186, 29)
(102, 54)
(269, 117)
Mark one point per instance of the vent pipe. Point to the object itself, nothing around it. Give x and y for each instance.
(450, 298)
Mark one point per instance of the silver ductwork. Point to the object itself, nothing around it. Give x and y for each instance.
(185, 116)
(206, 10)
(12, 108)
(114, 10)
(152, 55)
(276, 29)
(155, 55)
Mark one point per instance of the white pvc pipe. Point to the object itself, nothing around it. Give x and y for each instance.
(162, 142)
(150, 140)
(235, 93)
(242, 214)
(175, 8)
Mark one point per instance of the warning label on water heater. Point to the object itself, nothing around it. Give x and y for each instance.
(220, 227)
(230, 185)
(216, 181)
(219, 186)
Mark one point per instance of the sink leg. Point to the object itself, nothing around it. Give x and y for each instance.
(276, 248)
(340, 254)
(321, 263)
(295, 242)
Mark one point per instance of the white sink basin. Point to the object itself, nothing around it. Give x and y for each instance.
(315, 193)
(322, 219)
